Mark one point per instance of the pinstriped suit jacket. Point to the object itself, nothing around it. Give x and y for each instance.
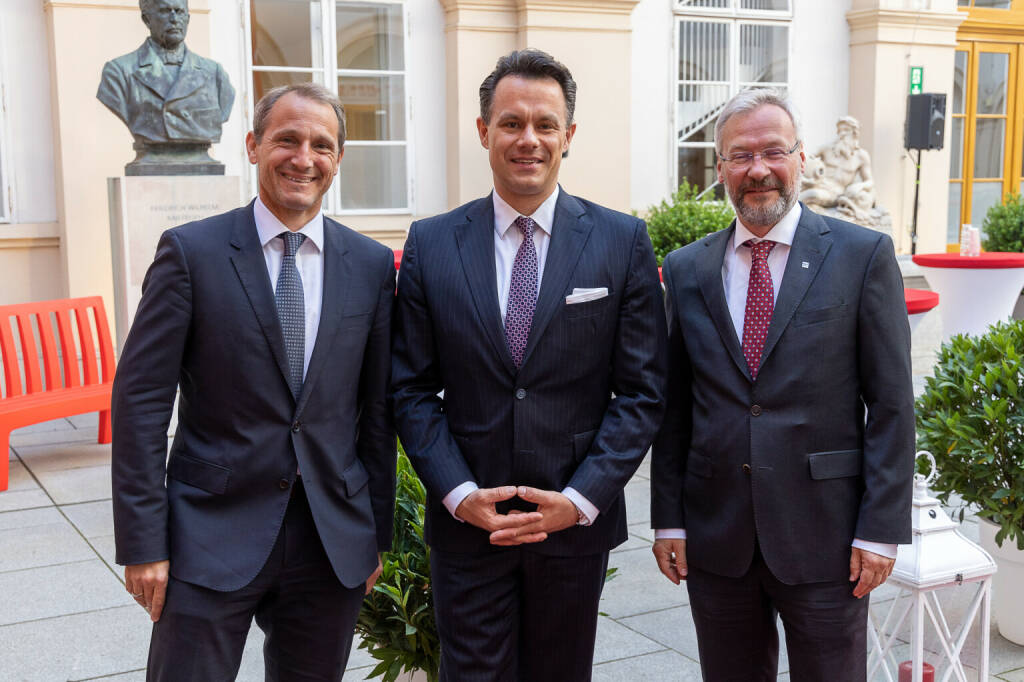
(588, 399)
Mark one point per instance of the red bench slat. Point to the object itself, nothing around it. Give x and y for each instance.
(29, 355)
(68, 353)
(90, 375)
(9, 356)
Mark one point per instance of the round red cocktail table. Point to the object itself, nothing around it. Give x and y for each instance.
(919, 302)
(976, 291)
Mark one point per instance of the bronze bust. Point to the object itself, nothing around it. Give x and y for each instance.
(172, 100)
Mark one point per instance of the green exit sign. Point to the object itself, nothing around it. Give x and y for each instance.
(916, 79)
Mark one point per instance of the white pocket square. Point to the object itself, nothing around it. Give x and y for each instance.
(583, 295)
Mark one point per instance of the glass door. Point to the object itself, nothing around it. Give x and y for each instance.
(986, 126)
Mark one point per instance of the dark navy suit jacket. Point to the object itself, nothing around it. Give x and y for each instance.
(588, 399)
(207, 322)
(788, 457)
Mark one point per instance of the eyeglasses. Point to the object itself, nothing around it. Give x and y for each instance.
(769, 156)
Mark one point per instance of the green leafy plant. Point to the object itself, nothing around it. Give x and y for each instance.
(971, 418)
(684, 218)
(1004, 225)
(397, 620)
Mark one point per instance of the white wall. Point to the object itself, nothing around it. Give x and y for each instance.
(25, 68)
(228, 48)
(425, 66)
(653, 96)
(819, 67)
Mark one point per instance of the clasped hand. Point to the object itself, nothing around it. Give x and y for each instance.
(554, 512)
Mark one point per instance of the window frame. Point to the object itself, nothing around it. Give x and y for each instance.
(330, 72)
(734, 16)
(6, 182)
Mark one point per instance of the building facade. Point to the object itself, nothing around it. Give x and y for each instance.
(652, 76)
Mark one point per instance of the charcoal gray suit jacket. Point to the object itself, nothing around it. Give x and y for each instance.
(788, 458)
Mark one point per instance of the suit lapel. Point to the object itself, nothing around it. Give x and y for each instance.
(810, 245)
(190, 78)
(251, 267)
(151, 71)
(569, 233)
(336, 290)
(475, 240)
(709, 278)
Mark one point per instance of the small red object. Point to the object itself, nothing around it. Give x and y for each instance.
(920, 300)
(398, 258)
(906, 670)
(36, 392)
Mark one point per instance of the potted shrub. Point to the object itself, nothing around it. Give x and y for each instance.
(396, 623)
(971, 418)
(1003, 230)
(684, 218)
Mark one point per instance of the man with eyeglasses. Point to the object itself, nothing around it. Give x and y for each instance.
(781, 476)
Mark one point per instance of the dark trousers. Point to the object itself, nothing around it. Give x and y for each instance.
(513, 615)
(825, 625)
(307, 615)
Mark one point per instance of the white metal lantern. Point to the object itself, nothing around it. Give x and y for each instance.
(939, 557)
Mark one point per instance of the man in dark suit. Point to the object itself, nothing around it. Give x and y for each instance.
(771, 494)
(274, 321)
(538, 315)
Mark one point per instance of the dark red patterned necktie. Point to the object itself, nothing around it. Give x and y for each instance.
(760, 303)
(522, 292)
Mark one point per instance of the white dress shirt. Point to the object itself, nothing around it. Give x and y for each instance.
(507, 240)
(309, 261)
(736, 279)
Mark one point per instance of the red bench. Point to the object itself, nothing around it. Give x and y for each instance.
(31, 394)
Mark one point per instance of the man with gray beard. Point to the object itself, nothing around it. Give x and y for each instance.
(781, 475)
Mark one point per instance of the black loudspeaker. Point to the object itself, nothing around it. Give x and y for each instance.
(926, 121)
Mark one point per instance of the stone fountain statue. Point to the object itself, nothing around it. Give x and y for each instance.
(837, 180)
(172, 100)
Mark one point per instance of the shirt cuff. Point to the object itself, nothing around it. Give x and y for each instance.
(670, 534)
(453, 499)
(588, 510)
(882, 548)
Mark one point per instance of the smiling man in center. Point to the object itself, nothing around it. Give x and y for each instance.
(528, 377)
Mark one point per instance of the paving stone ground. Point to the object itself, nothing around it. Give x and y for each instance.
(64, 613)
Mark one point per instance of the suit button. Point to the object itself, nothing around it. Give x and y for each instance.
(283, 484)
(296, 427)
(755, 410)
(746, 468)
(520, 393)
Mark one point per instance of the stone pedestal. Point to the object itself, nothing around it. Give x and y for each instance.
(141, 208)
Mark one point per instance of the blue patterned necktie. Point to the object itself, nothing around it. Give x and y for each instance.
(522, 292)
(291, 310)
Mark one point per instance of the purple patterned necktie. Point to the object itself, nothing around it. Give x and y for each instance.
(522, 292)
(760, 304)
